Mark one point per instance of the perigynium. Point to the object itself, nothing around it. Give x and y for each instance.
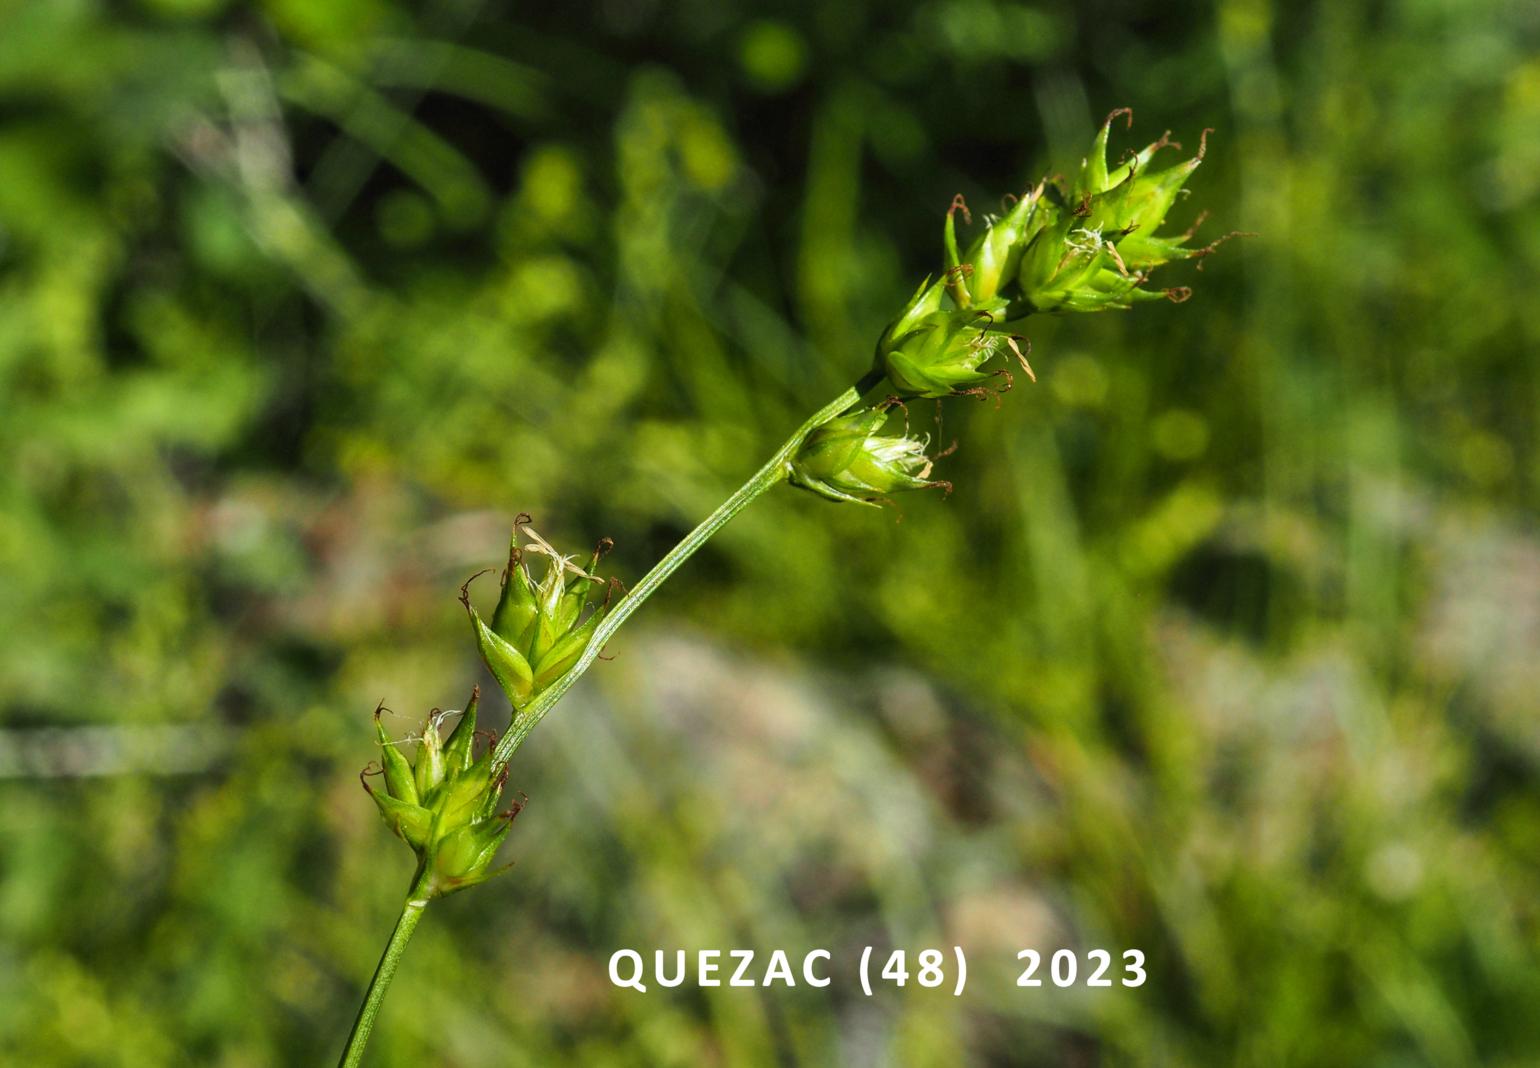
(1084, 245)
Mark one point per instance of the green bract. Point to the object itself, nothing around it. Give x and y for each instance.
(444, 803)
(847, 460)
(539, 628)
(932, 350)
(994, 258)
(1071, 267)
(1087, 246)
(1099, 243)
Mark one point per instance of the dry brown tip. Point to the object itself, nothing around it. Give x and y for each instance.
(465, 587)
(1120, 111)
(1203, 144)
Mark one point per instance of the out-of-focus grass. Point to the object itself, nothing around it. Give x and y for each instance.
(1224, 648)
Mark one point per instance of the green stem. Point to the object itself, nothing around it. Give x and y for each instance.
(411, 912)
(773, 472)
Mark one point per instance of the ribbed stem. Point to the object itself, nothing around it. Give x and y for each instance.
(411, 913)
(767, 477)
(773, 472)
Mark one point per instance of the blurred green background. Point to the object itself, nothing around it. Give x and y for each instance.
(1226, 647)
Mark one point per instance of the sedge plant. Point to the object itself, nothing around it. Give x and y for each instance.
(1081, 245)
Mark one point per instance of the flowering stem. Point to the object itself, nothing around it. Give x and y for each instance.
(1094, 255)
(411, 912)
(773, 472)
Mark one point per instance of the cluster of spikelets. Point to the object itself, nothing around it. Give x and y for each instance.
(1085, 245)
(1080, 246)
(444, 802)
(540, 627)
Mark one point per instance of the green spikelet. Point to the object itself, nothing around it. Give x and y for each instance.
(847, 459)
(444, 803)
(539, 627)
